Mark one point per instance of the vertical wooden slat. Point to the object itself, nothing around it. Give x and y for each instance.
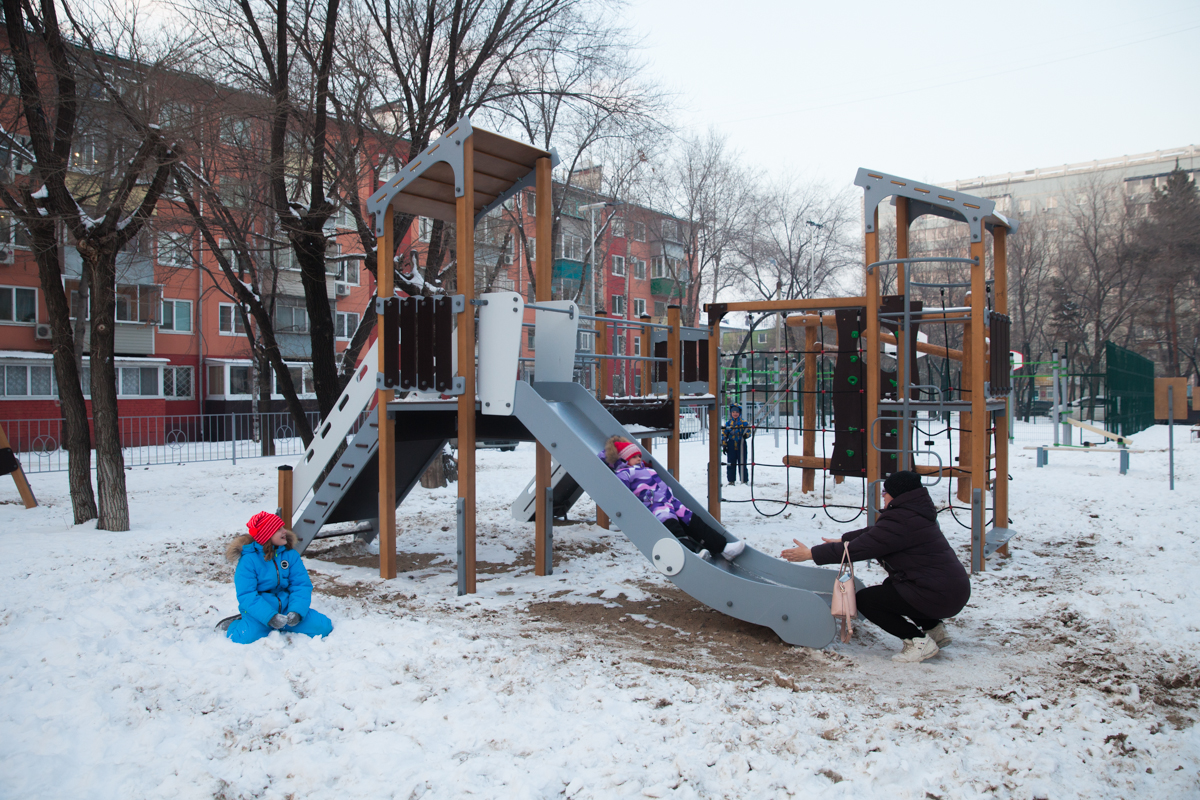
(646, 370)
(543, 268)
(870, 337)
(674, 370)
(714, 416)
(902, 223)
(465, 230)
(965, 418)
(386, 452)
(811, 337)
(1000, 287)
(978, 349)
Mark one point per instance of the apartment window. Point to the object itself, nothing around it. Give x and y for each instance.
(1025, 206)
(12, 233)
(639, 269)
(176, 316)
(617, 226)
(229, 322)
(174, 114)
(658, 267)
(1051, 202)
(639, 231)
(234, 192)
(349, 271)
(762, 337)
(216, 379)
(570, 247)
(639, 307)
(585, 341)
(290, 316)
(301, 380)
(531, 249)
(18, 304)
(345, 324)
(424, 229)
(175, 250)
(660, 308)
(637, 345)
(530, 339)
(239, 380)
(138, 381)
(177, 382)
(618, 265)
(235, 130)
(26, 381)
(618, 305)
(87, 153)
(670, 230)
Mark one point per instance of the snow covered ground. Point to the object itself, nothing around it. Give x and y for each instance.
(1074, 671)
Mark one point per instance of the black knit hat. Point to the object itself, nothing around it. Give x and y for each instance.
(898, 483)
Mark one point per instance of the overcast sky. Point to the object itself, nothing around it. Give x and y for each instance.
(931, 91)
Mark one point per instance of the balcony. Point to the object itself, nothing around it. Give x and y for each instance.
(567, 270)
(664, 287)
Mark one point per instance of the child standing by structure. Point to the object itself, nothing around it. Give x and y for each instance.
(625, 458)
(273, 588)
(733, 442)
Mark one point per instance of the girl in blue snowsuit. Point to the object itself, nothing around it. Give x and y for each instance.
(273, 589)
(733, 442)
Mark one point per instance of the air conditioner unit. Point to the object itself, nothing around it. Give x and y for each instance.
(6, 255)
(43, 331)
(343, 290)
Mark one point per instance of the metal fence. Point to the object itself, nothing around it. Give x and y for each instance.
(146, 441)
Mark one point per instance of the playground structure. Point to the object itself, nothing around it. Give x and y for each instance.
(464, 386)
(876, 409)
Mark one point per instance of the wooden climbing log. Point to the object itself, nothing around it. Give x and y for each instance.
(925, 347)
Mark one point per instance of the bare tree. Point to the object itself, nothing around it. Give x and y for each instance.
(132, 165)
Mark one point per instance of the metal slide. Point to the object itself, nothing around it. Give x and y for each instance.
(791, 599)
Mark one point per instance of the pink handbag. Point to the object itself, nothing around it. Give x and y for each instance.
(844, 606)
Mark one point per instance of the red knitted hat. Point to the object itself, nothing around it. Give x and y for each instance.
(628, 451)
(262, 526)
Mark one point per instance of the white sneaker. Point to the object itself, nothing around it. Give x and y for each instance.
(707, 556)
(917, 650)
(939, 635)
(733, 549)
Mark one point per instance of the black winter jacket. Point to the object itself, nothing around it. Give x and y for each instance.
(909, 544)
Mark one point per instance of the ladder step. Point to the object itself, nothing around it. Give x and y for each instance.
(360, 444)
(310, 521)
(335, 485)
(322, 503)
(347, 466)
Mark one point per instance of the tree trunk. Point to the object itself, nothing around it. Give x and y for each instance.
(266, 429)
(110, 462)
(76, 437)
(320, 324)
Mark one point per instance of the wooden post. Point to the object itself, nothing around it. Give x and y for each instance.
(386, 453)
(601, 348)
(977, 347)
(465, 230)
(714, 415)
(285, 495)
(870, 340)
(674, 370)
(18, 476)
(544, 271)
(1000, 288)
(902, 223)
(647, 368)
(811, 333)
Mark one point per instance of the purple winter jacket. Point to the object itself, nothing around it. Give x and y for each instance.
(644, 482)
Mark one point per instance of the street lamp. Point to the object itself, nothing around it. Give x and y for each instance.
(593, 207)
(812, 254)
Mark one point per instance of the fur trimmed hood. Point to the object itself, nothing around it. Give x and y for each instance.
(233, 551)
(610, 449)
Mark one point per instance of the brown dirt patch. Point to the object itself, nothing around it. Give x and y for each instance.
(680, 633)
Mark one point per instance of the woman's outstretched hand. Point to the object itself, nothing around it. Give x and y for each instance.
(800, 552)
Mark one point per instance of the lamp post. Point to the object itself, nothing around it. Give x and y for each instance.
(812, 254)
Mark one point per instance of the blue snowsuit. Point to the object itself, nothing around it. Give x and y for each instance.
(266, 588)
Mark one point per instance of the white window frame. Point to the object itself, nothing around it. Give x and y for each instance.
(174, 250)
(12, 290)
(637, 345)
(658, 267)
(618, 305)
(639, 307)
(175, 370)
(639, 231)
(27, 367)
(235, 320)
(762, 337)
(570, 247)
(616, 226)
(339, 316)
(173, 329)
(639, 269)
(618, 266)
(348, 268)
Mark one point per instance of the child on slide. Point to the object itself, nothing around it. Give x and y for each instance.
(273, 589)
(625, 458)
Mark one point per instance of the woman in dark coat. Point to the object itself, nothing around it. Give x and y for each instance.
(926, 582)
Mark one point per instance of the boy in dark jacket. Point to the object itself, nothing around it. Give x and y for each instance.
(926, 582)
(733, 442)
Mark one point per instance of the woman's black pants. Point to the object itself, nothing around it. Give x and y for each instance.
(884, 606)
(696, 531)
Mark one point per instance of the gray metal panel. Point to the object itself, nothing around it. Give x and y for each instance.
(878, 186)
(564, 491)
(997, 538)
(445, 149)
(755, 588)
